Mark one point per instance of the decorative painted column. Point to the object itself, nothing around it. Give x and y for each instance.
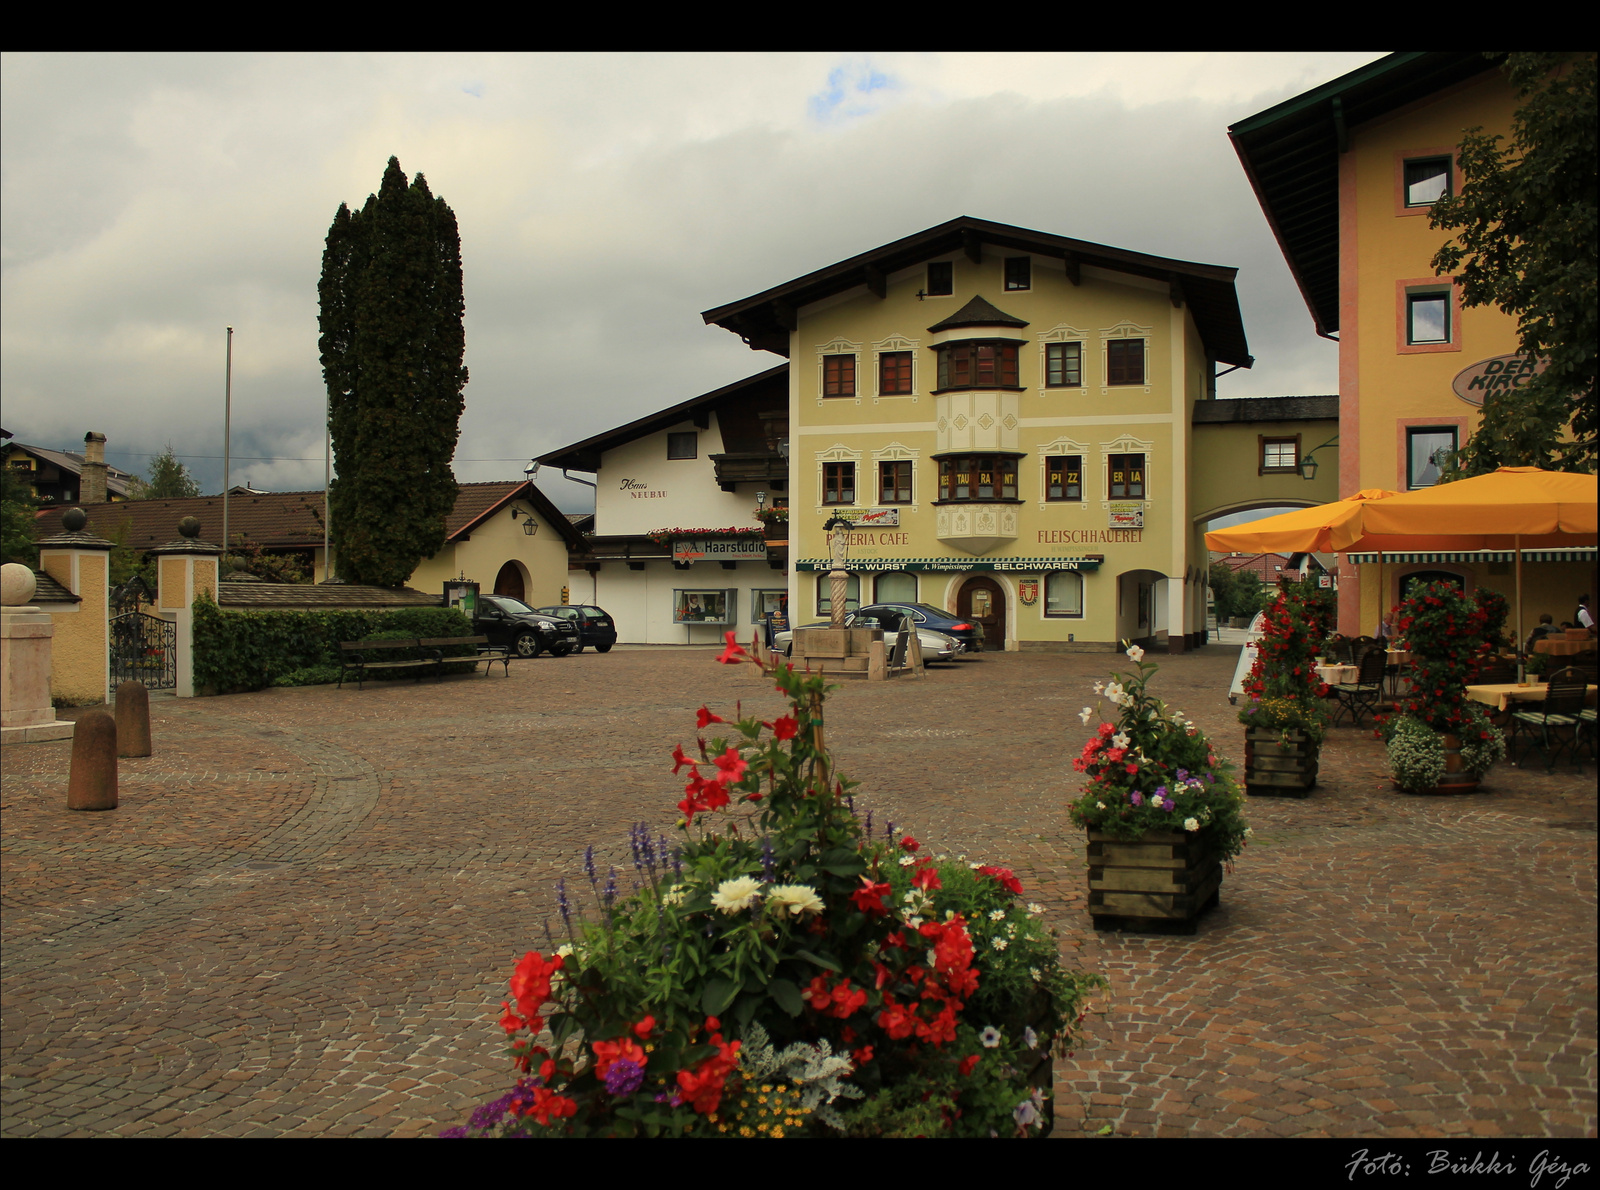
(25, 711)
(185, 568)
(80, 653)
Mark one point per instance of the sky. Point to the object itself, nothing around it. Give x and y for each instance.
(149, 201)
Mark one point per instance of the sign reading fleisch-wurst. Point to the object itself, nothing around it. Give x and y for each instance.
(1496, 374)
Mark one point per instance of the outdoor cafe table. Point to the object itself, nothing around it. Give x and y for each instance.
(1502, 696)
(1556, 647)
(1334, 674)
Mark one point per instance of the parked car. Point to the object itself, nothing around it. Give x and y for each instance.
(512, 624)
(595, 626)
(925, 615)
(936, 646)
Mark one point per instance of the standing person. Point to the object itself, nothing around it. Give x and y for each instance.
(1585, 619)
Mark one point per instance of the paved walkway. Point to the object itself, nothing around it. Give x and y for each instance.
(302, 916)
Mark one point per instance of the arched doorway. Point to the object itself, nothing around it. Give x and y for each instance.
(984, 600)
(509, 582)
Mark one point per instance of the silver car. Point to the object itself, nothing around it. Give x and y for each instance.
(936, 646)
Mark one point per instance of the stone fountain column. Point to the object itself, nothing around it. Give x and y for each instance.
(26, 715)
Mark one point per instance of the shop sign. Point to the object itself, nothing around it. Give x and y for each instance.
(1496, 374)
(868, 518)
(1028, 590)
(1127, 516)
(718, 549)
(1023, 565)
(640, 489)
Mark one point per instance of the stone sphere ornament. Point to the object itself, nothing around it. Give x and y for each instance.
(74, 520)
(189, 527)
(17, 584)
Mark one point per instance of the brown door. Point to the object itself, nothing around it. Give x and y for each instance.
(509, 581)
(984, 600)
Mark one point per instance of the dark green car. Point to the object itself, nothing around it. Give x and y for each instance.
(595, 626)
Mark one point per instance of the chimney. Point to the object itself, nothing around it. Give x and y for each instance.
(92, 483)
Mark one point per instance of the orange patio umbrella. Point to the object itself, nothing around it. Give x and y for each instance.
(1325, 529)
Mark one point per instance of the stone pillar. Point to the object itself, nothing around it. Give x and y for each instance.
(80, 664)
(25, 711)
(92, 481)
(186, 568)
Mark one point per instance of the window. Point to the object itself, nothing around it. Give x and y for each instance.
(1281, 455)
(1063, 594)
(1428, 317)
(771, 601)
(894, 373)
(695, 607)
(838, 375)
(894, 483)
(1125, 361)
(1063, 365)
(1424, 447)
(895, 587)
(1127, 477)
(978, 477)
(978, 365)
(852, 593)
(1019, 272)
(941, 278)
(838, 483)
(683, 446)
(1427, 181)
(1063, 477)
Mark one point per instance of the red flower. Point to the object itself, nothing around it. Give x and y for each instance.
(870, 898)
(1107, 731)
(967, 1064)
(679, 760)
(785, 728)
(606, 1053)
(706, 718)
(732, 766)
(861, 1056)
(733, 654)
(1003, 876)
(910, 844)
(895, 1020)
(645, 1027)
(927, 879)
(530, 982)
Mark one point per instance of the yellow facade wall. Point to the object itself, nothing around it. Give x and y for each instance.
(1227, 476)
(541, 558)
(79, 658)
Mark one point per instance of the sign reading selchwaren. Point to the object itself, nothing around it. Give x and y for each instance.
(1496, 374)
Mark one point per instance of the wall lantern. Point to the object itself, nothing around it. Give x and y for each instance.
(529, 525)
(1308, 465)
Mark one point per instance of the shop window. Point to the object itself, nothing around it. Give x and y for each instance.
(683, 446)
(1428, 317)
(1427, 180)
(1063, 594)
(1126, 477)
(704, 606)
(838, 375)
(1063, 365)
(838, 483)
(1019, 272)
(941, 278)
(894, 373)
(977, 365)
(1279, 455)
(894, 482)
(895, 587)
(978, 477)
(1063, 477)
(773, 601)
(1427, 448)
(852, 593)
(1125, 361)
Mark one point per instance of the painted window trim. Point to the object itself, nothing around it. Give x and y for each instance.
(1403, 428)
(1261, 454)
(1403, 291)
(1402, 156)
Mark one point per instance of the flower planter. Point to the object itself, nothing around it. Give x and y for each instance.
(1456, 778)
(1274, 768)
(1160, 883)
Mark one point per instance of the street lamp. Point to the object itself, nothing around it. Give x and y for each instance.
(1308, 464)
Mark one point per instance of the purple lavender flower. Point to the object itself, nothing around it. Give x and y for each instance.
(869, 824)
(677, 861)
(889, 830)
(491, 1113)
(1136, 798)
(624, 1077)
(548, 939)
(767, 861)
(647, 848)
(563, 904)
(459, 1132)
(1183, 774)
(588, 864)
(610, 893)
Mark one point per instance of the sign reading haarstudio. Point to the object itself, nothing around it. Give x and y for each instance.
(719, 549)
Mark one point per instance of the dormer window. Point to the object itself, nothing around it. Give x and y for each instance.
(977, 365)
(1019, 272)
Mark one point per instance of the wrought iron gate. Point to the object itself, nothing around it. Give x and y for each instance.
(144, 649)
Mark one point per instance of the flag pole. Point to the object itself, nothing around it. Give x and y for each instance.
(227, 438)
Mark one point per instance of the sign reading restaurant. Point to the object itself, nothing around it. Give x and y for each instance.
(1025, 565)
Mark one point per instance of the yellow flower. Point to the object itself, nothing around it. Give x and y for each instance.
(744, 1130)
(777, 1133)
(767, 1089)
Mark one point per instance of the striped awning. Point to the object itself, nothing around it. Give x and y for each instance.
(1390, 557)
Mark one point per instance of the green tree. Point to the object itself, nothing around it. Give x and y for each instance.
(1526, 218)
(392, 348)
(17, 528)
(168, 479)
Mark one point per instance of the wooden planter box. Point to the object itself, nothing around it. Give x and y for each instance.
(1273, 768)
(1161, 883)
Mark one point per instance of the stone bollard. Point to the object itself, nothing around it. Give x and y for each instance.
(133, 719)
(92, 784)
(877, 662)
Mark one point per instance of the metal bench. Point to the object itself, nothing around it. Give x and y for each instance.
(356, 656)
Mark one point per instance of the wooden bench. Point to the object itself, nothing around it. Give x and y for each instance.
(357, 656)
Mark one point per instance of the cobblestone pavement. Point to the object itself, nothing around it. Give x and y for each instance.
(302, 916)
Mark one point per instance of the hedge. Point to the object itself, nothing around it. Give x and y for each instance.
(236, 651)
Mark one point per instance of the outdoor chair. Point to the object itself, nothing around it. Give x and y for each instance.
(1561, 711)
(1583, 676)
(1337, 650)
(1360, 697)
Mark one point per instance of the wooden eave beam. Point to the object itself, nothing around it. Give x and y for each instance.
(1074, 268)
(972, 246)
(877, 281)
(1175, 290)
(784, 314)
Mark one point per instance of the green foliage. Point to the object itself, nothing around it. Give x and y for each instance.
(392, 348)
(1239, 593)
(1526, 218)
(1284, 674)
(17, 527)
(127, 561)
(236, 651)
(244, 554)
(1416, 754)
(1445, 632)
(1496, 611)
(168, 480)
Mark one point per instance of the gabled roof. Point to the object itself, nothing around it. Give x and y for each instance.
(1248, 409)
(117, 480)
(585, 455)
(765, 319)
(1291, 154)
(978, 312)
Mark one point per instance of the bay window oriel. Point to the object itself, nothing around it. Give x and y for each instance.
(977, 365)
(978, 477)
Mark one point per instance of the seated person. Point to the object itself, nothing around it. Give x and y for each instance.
(1545, 627)
(1385, 631)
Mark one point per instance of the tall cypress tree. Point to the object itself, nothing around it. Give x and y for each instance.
(392, 348)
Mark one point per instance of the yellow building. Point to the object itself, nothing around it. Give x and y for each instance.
(1008, 419)
(1347, 174)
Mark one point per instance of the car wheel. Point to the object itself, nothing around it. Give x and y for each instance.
(560, 650)
(602, 648)
(577, 648)
(527, 644)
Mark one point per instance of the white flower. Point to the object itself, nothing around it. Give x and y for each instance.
(913, 921)
(933, 959)
(1099, 687)
(1038, 976)
(997, 915)
(1114, 692)
(1011, 929)
(564, 949)
(1035, 909)
(1086, 715)
(735, 895)
(1101, 805)
(1155, 800)
(906, 861)
(1136, 653)
(990, 1037)
(974, 866)
(796, 898)
(1189, 824)
(674, 896)
(998, 944)
(1248, 831)
(1030, 1038)
(1120, 740)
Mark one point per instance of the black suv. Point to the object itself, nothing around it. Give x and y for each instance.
(595, 627)
(514, 625)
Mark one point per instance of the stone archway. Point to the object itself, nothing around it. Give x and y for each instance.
(509, 582)
(984, 600)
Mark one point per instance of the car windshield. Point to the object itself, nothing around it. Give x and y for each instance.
(507, 604)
